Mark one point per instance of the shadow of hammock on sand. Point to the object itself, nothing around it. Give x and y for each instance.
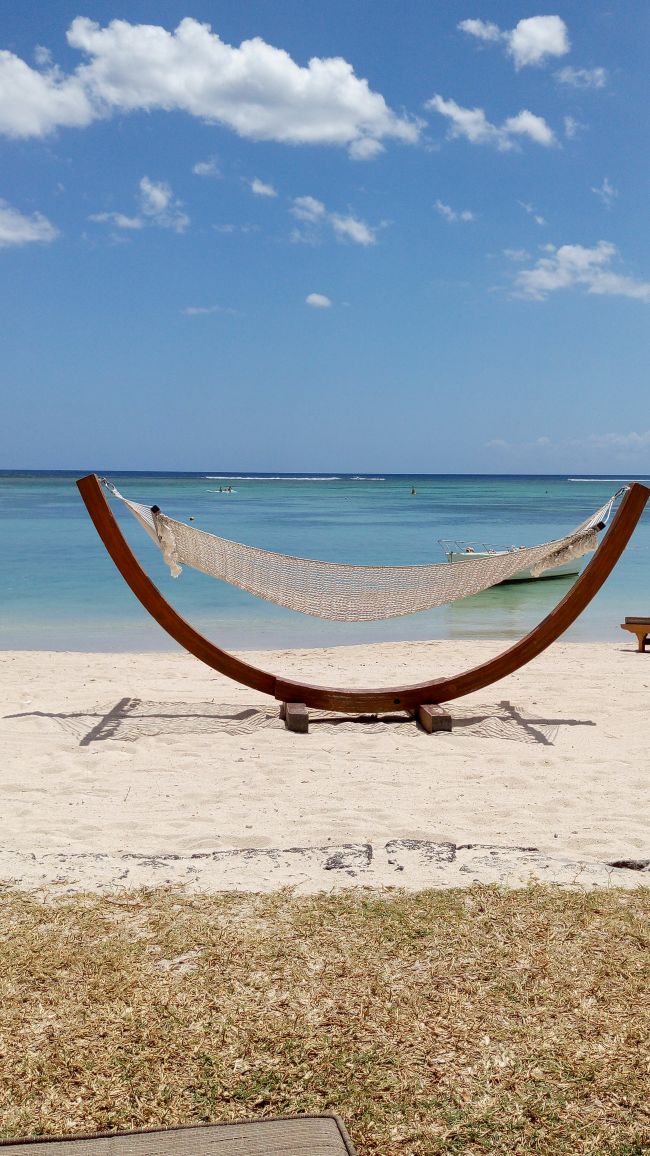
(131, 719)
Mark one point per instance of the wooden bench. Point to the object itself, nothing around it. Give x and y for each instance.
(640, 627)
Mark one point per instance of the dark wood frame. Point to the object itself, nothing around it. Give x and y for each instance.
(373, 700)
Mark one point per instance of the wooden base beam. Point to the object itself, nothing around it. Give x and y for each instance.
(433, 717)
(296, 717)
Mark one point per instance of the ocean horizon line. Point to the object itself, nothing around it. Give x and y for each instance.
(240, 474)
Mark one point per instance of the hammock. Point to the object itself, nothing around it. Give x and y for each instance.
(348, 593)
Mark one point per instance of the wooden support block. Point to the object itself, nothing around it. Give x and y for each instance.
(296, 717)
(433, 717)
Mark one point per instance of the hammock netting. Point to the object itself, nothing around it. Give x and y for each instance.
(348, 593)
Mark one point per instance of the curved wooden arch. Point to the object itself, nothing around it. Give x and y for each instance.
(373, 700)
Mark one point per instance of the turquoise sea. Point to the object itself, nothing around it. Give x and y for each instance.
(59, 589)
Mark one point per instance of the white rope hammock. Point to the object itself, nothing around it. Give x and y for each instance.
(349, 593)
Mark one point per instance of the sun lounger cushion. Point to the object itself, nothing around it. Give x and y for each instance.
(303, 1136)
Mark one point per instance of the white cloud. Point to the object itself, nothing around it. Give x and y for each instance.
(531, 41)
(607, 193)
(18, 229)
(620, 445)
(365, 148)
(582, 77)
(318, 301)
(516, 254)
(120, 220)
(450, 214)
(482, 30)
(34, 103)
(573, 266)
(157, 207)
(43, 56)
(473, 124)
(351, 229)
(261, 189)
(228, 228)
(257, 90)
(315, 216)
(530, 209)
(204, 310)
(158, 204)
(209, 168)
(154, 198)
(634, 442)
(571, 127)
(539, 443)
(526, 123)
(308, 209)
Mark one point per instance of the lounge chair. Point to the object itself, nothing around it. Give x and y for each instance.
(300, 1136)
(640, 627)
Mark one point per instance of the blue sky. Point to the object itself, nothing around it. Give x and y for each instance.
(315, 236)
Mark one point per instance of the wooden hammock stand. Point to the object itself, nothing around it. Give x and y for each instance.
(421, 699)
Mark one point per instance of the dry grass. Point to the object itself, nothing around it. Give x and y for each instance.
(456, 1022)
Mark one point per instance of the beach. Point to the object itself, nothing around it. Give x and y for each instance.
(128, 770)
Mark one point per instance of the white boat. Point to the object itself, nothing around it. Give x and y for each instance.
(456, 551)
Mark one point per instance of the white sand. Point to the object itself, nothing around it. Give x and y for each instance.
(193, 779)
